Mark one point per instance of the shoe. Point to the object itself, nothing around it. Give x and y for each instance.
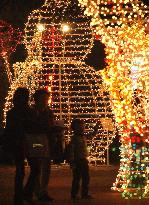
(18, 203)
(75, 198)
(45, 198)
(87, 197)
(29, 200)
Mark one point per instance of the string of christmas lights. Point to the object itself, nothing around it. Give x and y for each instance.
(122, 27)
(56, 46)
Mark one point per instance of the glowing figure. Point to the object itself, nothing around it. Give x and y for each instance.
(57, 45)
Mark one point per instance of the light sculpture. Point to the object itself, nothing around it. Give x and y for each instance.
(122, 26)
(57, 45)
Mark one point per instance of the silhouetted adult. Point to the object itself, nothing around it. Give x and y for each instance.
(16, 121)
(39, 143)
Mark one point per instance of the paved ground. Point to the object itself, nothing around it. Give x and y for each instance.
(59, 187)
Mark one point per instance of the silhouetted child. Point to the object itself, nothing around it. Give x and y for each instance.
(78, 159)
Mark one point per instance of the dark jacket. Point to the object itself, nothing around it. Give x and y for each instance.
(15, 129)
(79, 149)
(40, 121)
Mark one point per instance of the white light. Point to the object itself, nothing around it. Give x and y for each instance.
(65, 28)
(136, 70)
(40, 27)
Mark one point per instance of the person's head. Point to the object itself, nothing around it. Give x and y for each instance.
(21, 97)
(77, 125)
(41, 97)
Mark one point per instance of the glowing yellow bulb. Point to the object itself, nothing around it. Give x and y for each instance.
(50, 77)
(49, 89)
(40, 27)
(49, 101)
(65, 28)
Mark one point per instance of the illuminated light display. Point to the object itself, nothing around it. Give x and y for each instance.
(56, 46)
(9, 39)
(123, 28)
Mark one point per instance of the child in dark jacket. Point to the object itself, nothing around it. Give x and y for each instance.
(78, 159)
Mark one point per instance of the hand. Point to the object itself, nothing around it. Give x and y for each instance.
(72, 165)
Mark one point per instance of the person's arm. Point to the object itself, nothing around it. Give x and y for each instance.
(9, 122)
(71, 151)
(51, 118)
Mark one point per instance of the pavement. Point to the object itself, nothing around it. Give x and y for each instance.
(102, 178)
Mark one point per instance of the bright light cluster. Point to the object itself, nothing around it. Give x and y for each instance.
(123, 28)
(119, 75)
(109, 17)
(56, 46)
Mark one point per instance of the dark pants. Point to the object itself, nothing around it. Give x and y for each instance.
(39, 177)
(19, 177)
(80, 172)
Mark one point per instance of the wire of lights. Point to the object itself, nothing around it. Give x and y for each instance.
(55, 62)
(122, 26)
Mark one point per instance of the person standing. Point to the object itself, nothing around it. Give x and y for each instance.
(14, 135)
(39, 159)
(78, 159)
